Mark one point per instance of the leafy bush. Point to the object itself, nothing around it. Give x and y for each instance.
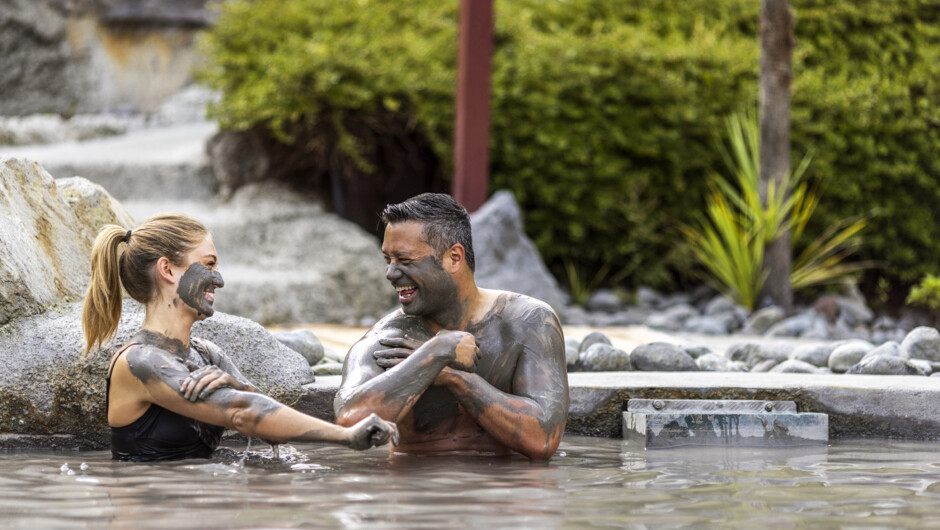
(604, 112)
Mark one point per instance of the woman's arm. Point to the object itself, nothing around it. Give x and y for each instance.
(252, 414)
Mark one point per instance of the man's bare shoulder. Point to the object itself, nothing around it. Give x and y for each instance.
(397, 323)
(508, 305)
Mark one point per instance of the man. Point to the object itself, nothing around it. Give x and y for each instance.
(458, 368)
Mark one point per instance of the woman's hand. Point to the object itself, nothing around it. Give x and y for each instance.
(202, 382)
(372, 431)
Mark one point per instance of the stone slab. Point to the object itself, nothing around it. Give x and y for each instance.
(656, 424)
(857, 405)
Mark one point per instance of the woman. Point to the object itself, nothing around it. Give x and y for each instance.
(169, 397)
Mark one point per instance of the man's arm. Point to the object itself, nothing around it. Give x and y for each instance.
(532, 419)
(368, 388)
(252, 414)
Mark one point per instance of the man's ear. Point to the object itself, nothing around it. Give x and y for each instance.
(454, 257)
(165, 270)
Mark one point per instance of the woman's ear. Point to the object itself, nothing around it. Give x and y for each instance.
(455, 257)
(165, 270)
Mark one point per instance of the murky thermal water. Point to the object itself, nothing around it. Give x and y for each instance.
(590, 482)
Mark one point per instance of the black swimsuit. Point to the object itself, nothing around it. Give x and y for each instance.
(161, 434)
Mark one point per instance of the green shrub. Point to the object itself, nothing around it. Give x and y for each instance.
(603, 113)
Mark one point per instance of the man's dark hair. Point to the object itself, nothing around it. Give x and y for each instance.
(445, 222)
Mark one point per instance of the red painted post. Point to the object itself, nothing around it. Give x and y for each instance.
(472, 127)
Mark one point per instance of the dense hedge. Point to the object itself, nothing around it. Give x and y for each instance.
(604, 113)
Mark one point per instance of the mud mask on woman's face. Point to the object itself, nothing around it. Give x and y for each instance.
(197, 286)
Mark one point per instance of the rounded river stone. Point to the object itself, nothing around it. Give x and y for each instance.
(923, 343)
(662, 357)
(600, 357)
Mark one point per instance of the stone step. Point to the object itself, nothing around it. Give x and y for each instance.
(163, 163)
(662, 423)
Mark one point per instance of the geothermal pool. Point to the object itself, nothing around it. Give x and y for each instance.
(591, 482)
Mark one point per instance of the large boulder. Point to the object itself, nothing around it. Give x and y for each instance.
(285, 259)
(44, 246)
(505, 257)
(47, 387)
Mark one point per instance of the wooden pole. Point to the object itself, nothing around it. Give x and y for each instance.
(776, 72)
(472, 127)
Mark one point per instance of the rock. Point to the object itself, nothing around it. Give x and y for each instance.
(505, 257)
(304, 342)
(627, 317)
(888, 349)
(794, 326)
(764, 366)
(827, 306)
(923, 365)
(793, 366)
(603, 300)
(574, 316)
(854, 310)
(773, 352)
(595, 337)
(329, 354)
(847, 354)
(287, 260)
(47, 387)
(720, 304)
(600, 357)
(327, 368)
(237, 158)
(93, 205)
(761, 320)
(885, 365)
(923, 343)
(649, 298)
(571, 356)
(740, 352)
(45, 247)
(814, 354)
(662, 357)
(696, 351)
(706, 325)
(714, 362)
(672, 318)
(571, 342)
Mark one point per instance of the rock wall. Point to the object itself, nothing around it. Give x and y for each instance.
(63, 57)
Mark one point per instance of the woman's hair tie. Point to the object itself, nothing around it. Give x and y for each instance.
(127, 236)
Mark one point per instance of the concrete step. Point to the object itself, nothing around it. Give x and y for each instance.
(164, 163)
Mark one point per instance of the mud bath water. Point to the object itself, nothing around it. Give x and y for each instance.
(590, 482)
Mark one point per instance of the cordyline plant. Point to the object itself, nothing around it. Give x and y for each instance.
(729, 239)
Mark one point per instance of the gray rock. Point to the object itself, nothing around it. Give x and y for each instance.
(329, 354)
(794, 326)
(571, 356)
(649, 298)
(505, 257)
(601, 357)
(925, 366)
(45, 247)
(287, 260)
(885, 365)
(627, 317)
(574, 316)
(773, 352)
(740, 352)
(48, 387)
(571, 342)
(847, 354)
(814, 354)
(662, 357)
(595, 337)
(237, 158)
(327, 368)
(696, 351)
(304, 342)
(888, 349)
(793, 366)
(923, 343)
(764, 366)
(706, 325)
(93, 205)
(719, 304)
(604, 300)
(714, 362)
(761, 320)
(854, 310)
(672, 318)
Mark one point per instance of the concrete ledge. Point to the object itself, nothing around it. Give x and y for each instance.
(857, 405)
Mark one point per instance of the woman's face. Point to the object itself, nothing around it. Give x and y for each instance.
(200, 279)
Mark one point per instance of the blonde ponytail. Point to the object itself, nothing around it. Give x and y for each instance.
(131, 267)
(102, 310)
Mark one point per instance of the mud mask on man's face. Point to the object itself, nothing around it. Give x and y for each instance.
(197, 288)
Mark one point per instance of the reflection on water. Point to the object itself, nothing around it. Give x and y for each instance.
(590, 482)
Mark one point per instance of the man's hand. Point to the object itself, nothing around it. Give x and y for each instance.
(399, 348)
(202, 382)
(464, 347)
(372, 431)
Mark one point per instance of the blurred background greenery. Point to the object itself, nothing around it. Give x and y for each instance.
(604, 116)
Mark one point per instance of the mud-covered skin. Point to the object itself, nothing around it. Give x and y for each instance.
(516, 397)
(437, 293)
(193, 286)
(162, 364)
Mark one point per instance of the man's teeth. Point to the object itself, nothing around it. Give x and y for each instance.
(404, 288)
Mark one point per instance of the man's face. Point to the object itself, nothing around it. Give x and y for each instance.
(424, 287)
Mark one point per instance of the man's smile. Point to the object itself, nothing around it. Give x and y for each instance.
(406, 293)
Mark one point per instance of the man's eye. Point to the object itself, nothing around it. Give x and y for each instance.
(404, 261)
